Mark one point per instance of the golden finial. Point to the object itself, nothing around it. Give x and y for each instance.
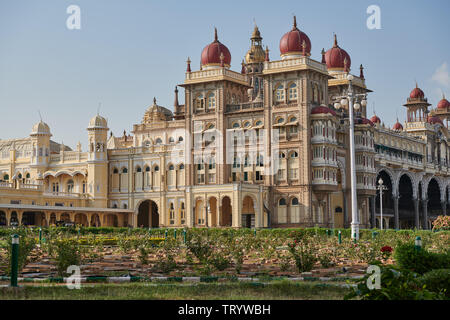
(216, 38)
(335, 40)
(295, 23)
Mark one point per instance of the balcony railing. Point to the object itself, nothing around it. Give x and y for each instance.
(244, 106)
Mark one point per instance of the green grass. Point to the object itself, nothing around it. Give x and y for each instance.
(279, 290)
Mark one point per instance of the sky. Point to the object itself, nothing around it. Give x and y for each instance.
(127, 52)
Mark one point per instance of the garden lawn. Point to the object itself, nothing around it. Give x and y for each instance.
(277, 290)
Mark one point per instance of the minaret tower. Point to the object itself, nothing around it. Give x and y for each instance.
(417, 106)
(98, 161)
(40, 138)
(254, 64)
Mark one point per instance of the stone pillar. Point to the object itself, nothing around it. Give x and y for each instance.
(135, 220)
(444, 208)
(72, 216)
(58, 216)
(373, 213)
(19, 217)
(425, 214)
(396, 217)
(416, 213)
(8, 217)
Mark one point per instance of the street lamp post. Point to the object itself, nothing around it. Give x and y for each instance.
(381, 187)
(354, 202)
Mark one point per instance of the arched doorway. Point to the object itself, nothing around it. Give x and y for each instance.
(434, 207)
(226, 215)
(406, 213)
(95, 220)
(213, 211)
(248, 212)
(13, 220)
(148, 215)
(28, 219)
(111, 220)
(52, 221)
(3, 221)
(388, 201)
(199, 212)
(80, 218)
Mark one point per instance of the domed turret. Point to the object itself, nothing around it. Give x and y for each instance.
(417, 93)
(337, 58)
(157, 113)
(256, 53)
(216, 54)
(397, 126)
(295, 43)
(375, 119)
(434, 120)
(98, 122)
(444, 103)
(40, 128)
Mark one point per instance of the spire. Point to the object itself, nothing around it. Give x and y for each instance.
(154, 101)
(188, 69)
(295, 23)
(175, 103)
(335, 45)
(216, 38)
(267, 54)
(323, 55)
(361, 71)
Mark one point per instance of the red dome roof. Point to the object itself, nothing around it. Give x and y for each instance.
(434, 120)
(363, 121)
(292, 42)
(375, 119)
(322, 110)
(416, 93)
(443, 104)
(337, 58)
(397, 126)
(212, 52)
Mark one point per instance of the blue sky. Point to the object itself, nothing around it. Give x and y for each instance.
(127, 52)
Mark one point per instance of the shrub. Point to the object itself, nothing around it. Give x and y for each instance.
(396, 284)
(67, 254)
(441, 223)
(220, 262)
(437, 280)
(303, 254)
(420, 261)
(26, 245)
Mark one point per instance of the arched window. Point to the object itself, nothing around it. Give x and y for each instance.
(115, 170)
(181, 166)
(282, 202)
(211, 100)
(294, 201)
(147, 169)
(147, 143)
(281, 155)
(180, 139)
(171, 140)
(19, 176)
(279, 93)
(124, 170)
(156, 168)
(6, 177)
(293, 92)
(235, 125)
(27, 176)
(70, 186)
(199, 102)
(280, 120)
(171, 167)
(158, 141)
(246, 124)
(138, 169)
(258, 123)
(294, 154)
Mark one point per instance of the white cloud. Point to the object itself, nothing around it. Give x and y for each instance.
(441, 76)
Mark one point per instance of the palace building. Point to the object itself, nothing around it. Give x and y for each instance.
(267, 146)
